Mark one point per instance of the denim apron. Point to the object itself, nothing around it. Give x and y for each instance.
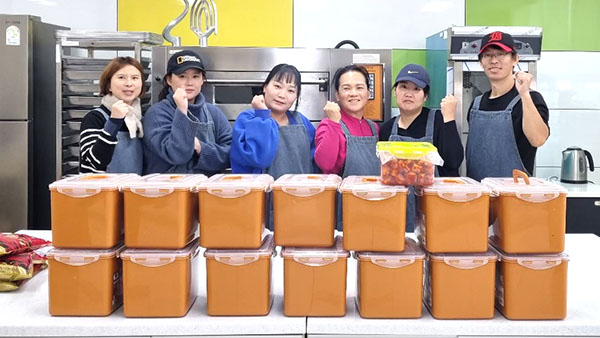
(491, 146)
(361, 159)
(128, 154)
(293, 155)
(205, 133)
(410, 198)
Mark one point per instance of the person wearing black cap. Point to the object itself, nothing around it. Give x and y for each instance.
(183, 133)
(508, 123)
(416, 123)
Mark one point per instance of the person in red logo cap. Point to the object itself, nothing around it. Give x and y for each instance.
(508, 123)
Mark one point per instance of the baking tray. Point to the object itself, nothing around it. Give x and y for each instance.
(92, 101)
(70, 151)
(74, 113)
(68, 167)
(70, 139)
(75, 62)
(91, 75)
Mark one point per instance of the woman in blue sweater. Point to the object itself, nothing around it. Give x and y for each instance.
(183, 133)
(269, 138)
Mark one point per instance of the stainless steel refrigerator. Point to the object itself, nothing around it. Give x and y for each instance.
(28, 127)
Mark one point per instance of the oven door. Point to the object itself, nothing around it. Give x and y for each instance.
(232, 92)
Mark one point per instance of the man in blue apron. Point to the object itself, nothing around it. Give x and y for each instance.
(508, 123)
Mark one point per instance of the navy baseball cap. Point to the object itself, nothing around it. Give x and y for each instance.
(415, 74)
(184, 60)
(503, 40)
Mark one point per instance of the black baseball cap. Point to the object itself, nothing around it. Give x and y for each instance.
(184, 60)
(503, 40)
(415, 74)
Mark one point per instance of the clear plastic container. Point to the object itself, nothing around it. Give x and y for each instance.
(304, 209)
(233, 210)
(238, 282)
(374, 215)
(531, 286)
(453, 215)
(460, 286)
(84, 282)
(160, 283)
(161, 210)
(315, 280)
(87, 211)
(408, 163)
(390, 285)
(528, 214)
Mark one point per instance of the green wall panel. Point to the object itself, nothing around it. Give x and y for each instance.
(566, 24)
(401, 57)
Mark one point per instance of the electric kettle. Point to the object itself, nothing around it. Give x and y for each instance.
(574, 165)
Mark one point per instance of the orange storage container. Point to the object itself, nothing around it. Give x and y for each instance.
(304, 209)
(161, 210)
(315, 280)
(528, 216)
(160, 283)
(87, 211)
(374, 215)
(84, 282)
(390, 285)
(453, 215)
(238, 282)
(532, 286)
(460, 286)
(233, 210)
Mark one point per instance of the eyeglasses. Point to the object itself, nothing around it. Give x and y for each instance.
(498, 56)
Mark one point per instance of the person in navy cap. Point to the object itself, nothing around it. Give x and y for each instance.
(416, 123)
(508, 123)
(183, 133)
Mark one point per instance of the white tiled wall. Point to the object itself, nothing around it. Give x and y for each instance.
(570, 84)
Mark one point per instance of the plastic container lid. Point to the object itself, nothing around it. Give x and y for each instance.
(465, 261)
(235, 185)
(370, 188)
(306, 185)
(242, 257)
(455, 189)
(530, 189)
(530, 261)
(79, 257)
(86, 185)
(408, 150)
(156, 258)
(411, 252)
(157, 185)
(312, 256)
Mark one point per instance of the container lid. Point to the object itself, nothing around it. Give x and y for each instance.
(242, 257)
(411, 252)
(156, 258)
(79, 257)
(235, 185)
(370, 188)
(408, 150)
(541, 261)
(456, 189)
(313, 256)
(531, 189)
(306, 185)
(157, 185)
(86, 185)
(465, 260)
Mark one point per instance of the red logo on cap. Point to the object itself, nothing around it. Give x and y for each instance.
(496, 36)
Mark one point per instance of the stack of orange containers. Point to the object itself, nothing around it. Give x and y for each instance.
(161, 225)
(87, 230)
(390, 267)
(304, 212)
(528, 223)
(452, 225)
(233, 215)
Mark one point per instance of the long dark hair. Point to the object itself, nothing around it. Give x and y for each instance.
(349, 68)
(288, 74)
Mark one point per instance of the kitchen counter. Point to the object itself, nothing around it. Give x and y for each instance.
(25, 313)
(581, 190)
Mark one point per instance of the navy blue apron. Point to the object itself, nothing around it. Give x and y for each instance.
(128, 154)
